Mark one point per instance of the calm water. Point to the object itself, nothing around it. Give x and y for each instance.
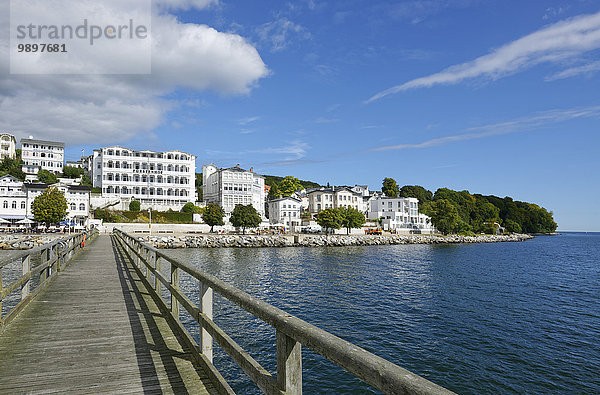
(484, 318)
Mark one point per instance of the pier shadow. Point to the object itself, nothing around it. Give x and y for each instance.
(150, 341)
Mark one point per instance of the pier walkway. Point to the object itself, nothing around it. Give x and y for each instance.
(107, 318)
(96, 329)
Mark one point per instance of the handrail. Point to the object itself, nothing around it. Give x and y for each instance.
(292, 332)
(53, 255)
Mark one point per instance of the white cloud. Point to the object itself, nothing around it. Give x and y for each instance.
(294, 150)
(587, 69)
(185, 4)
(101, 108)
(326, 120)
(247, 120)
(278, 34)
(553, 43)
(533, 122)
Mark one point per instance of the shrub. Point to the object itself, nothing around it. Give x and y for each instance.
(134, 205)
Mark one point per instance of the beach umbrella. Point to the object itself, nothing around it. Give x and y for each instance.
(25, 221)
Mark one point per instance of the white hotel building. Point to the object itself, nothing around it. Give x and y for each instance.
(320, 199)
(160, 180)
(16, 200)
(8, 146)
(285, 211)
(41, 155)
(399, 214)
(232, 186)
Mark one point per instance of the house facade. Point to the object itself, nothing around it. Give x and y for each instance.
(42, 155)
(322, 198)
(16, 200)
(399, 214)
(8, 146)
(158, 180)
(231, 186)
(285, 211)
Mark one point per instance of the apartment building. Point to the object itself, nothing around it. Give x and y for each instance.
(158, 180)
(231, 186)
(399, 214)
(285, 211)
(42, 155)
(8, 146)
(334, 197)
(16, 200)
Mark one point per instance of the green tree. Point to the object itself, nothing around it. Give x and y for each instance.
(213, 215)
(188, 207)
(191, 208)
(274, 192)
(12, 167)
(351, 218)
(416, 191)
(245, 216)
(198, 184)
(50, 207)
(512, 227)
(289, 185)
(329, 218)
(47, 177)
(72, 172)
(444, 216)
(390, 188)
(135, 205)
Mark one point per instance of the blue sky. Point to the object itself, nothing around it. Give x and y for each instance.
(493, 96)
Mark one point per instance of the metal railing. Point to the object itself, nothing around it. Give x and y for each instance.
(54, 256)
(292, 333)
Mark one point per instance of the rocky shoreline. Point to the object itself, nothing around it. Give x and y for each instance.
(254, 241)
(25, 242)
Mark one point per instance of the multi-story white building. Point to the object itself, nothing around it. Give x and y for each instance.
(320, 199)
(8, 146)
(41, 155)
(13, 199)
(232, 186)
(285, 211)
(16, 200)
(160, 180)
(399, 214)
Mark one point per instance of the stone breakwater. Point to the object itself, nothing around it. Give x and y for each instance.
(25, 242)
(253, 241)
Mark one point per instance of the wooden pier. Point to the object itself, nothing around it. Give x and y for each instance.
(98, 321)
(96, 329)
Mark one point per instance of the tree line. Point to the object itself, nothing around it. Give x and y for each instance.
(462, 212)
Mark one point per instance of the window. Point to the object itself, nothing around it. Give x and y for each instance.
(5, 204)
(14, 204)
(82, 207)
(22, 205)
(73, 207)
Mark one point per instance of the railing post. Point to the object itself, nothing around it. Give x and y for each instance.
(206, 308)
(25, 268)
(157, 283)
(174, 284)
(148, 264)
(289, 364)
(43, 260)
(49, 256)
